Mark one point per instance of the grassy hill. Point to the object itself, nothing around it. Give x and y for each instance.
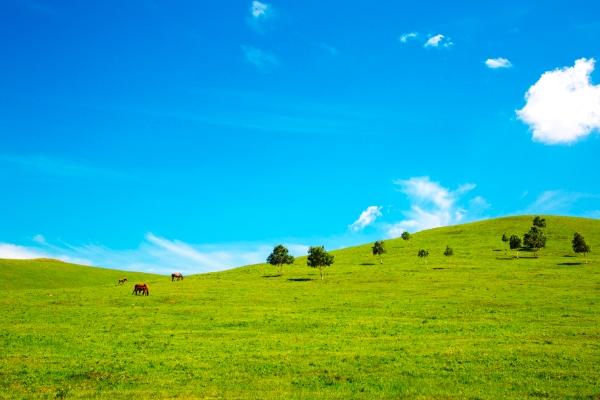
(480, 325)
(45, 273)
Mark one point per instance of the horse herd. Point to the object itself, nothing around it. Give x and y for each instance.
(142, 288)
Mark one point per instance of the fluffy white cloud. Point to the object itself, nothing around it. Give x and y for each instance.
(366, 218)
(262, 60)
(405, 37)
(433, 205)
(439, 40)
(496, 63)
(563, 105)
(258, 9)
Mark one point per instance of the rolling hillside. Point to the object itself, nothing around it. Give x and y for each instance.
(53, 274)
(477, 325)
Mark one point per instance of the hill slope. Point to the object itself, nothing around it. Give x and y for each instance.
(52, 274)
(480, 325)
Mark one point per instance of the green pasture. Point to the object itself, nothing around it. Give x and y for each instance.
(477, 325)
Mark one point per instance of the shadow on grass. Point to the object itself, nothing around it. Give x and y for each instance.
(300, 279)
(569, 255)
(440, 268)
(272, 276)
(367, 263)
(570, 263)
(506, 258)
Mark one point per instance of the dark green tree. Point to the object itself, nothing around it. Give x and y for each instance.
(378, 250)
(422, 254)
(505, 240)
(318, 257)
(448, 253)
(539, 222)
(515, 243)
(405, 235)
(534, 240)
(580, 246)
(279, 256)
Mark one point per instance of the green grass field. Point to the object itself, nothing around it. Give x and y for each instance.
(480, 325)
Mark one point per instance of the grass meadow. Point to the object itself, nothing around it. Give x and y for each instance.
(477, 325)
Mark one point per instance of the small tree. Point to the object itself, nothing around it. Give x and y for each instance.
(280, 256)
(378, 250)
(318, 257)
(422, 254)
(539, 222)
(580, 246)
(515, 243)
(534, 239)
(448, 253)
(505, 240)
(405, 235)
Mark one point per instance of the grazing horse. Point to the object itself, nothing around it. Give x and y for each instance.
(176, 276)
(122, 281)
(141, 288)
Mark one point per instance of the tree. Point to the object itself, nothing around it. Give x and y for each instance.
(580, 246)
(539, 222)
(405, 235)
(423, 254)
(379, 249)
(505, 239)
(448, 253)
(515, 243)
(318, 257)
(280, 256)
(535, 239)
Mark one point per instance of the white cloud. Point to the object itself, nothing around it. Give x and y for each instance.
(8, 250)
(500, 62)
(433, 205)
(404, 38)
(563, 105)
(259, 10)
(262, 60)
(439, 40)
(154, 254)
(554, 201)
(366, 218)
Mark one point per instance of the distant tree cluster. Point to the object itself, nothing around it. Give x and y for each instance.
(533, 240)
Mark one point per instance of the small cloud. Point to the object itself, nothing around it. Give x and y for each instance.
(405, 37)
(259, 10)
(563, 106)
(554, 201)
(439, 40)
(497, 63)
(40, 239)
(262, 60)
(366, 218)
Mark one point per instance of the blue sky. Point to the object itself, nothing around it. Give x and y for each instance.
(193, 135)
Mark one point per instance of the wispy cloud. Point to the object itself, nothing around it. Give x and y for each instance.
(366, 218)
(498, 63)
(259, 10)
(433, 205)
(428, 41)
(406, 37)
(438, 41)
(50, 165)
(154, 254)
(557, 202)
(262, 60)
(260, 13)
(563, 105)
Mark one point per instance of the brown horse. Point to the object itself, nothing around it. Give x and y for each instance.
(176, 276)
(122, 281)
(141, 288)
